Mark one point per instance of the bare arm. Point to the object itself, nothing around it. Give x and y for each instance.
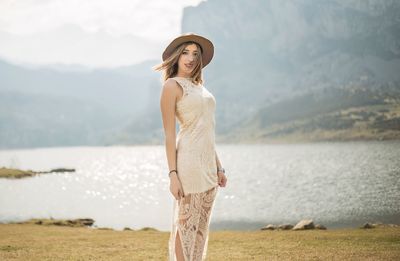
(167, 104)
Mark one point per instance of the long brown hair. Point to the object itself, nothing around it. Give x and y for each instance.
(170, 65)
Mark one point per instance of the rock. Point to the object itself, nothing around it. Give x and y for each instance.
(380, 224)
(319, 226)
(80, 222)
(285, 226)
(62, 170)
(368, 225)
(127, 228)
(304, 224)
(85, 221)
(148, 229)
(269, 227)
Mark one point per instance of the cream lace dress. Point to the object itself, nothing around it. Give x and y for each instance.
(197, 170)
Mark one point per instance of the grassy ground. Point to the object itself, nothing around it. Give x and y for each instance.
(39, 242)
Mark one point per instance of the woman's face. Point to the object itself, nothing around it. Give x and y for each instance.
(188, 59)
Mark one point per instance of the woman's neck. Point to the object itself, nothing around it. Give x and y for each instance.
(183, 76)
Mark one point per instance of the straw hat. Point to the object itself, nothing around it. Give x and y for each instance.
(206, 46)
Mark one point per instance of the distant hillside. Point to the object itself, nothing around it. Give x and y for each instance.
(37, 120)
(64, 106)
(112, 88)
(351, 113)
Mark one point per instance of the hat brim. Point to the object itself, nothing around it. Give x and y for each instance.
(206, 45)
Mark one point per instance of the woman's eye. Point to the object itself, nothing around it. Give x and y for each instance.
(196, 54)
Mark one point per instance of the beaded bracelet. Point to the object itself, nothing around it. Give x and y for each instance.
(174, 170)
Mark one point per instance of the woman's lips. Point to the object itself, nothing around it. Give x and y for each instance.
(189, 66)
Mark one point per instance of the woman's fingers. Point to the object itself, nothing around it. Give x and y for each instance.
(176, 189)
(175, 193)
(222, 180)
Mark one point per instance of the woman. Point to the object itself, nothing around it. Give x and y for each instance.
(195, 171)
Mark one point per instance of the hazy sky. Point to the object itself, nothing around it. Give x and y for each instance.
(95, 33)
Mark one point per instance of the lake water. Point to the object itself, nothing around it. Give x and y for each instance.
(335, 184)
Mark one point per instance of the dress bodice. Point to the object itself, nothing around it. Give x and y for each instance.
(196, 158)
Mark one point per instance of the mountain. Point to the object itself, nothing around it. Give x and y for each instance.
(283, 70)
(274, 49)
(58, 106)
(112, 88)
(269, 51)
(271, 56)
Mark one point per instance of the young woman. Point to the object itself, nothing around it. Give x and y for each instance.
(195, 171)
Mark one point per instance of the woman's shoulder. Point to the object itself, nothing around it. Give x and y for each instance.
(171, 83)
(170, 87)
(178, 81)
(173, 80)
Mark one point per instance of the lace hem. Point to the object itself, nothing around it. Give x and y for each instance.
(191, 219)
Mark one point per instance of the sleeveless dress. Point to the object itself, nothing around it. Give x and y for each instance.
(197, 170)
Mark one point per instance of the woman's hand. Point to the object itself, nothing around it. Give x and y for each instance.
(175, 186)
(221, 179)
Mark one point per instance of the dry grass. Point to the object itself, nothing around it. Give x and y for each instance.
(15, 173)
(35, 242)
(11, 173)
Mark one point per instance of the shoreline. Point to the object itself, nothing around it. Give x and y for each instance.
(345, 223)
(234, 226)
